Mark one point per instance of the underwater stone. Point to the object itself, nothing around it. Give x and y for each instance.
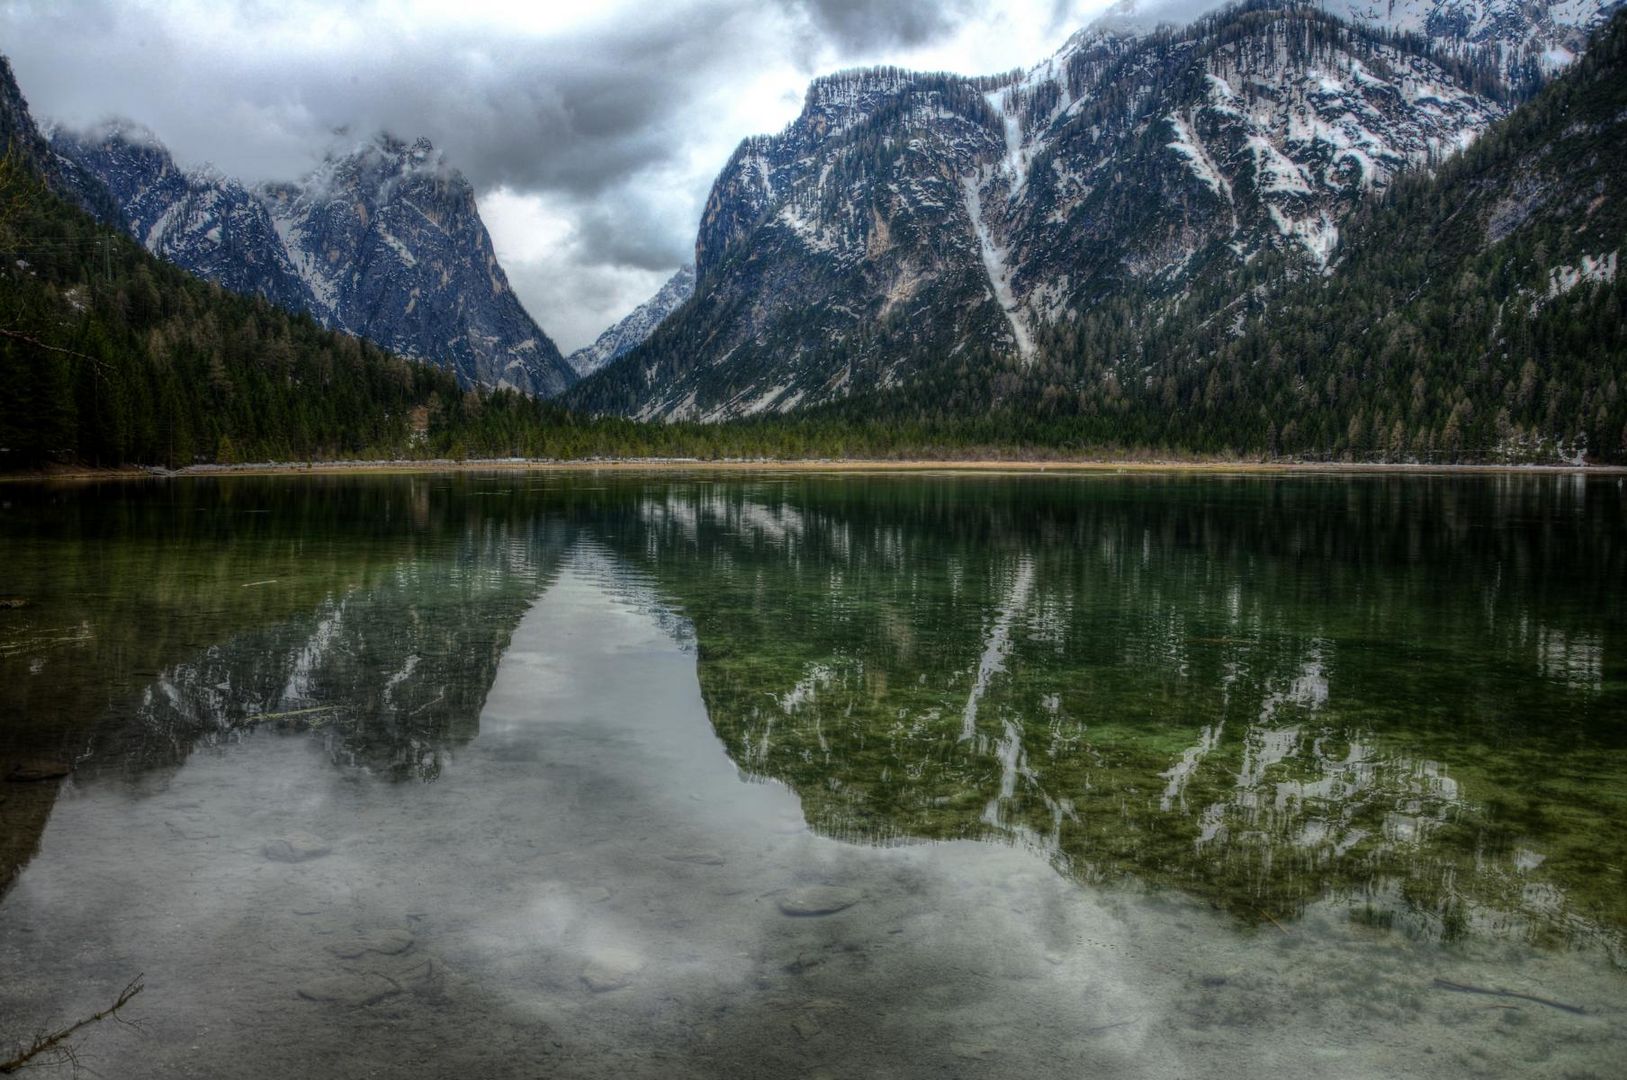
(296, 847)
(30, 771)
(388, 942)
(698, 858)
(362, 989)
(974, 1051)
(611, 970)
(819, 900)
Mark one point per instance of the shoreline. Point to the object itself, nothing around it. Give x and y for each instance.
(808, 465)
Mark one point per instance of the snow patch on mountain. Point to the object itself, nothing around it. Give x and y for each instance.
(995, 266)
(639, 324)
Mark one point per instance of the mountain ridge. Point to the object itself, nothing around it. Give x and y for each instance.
(384, 241)
(631, 330)
(906, 220)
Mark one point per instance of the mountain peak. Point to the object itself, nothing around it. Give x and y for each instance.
(383, 239)
(979, 213)
(632, 331)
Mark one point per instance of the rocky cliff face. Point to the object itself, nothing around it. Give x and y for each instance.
(390, 240)
(384, 242)
(831, 258)
(906, 220)
(200, 220)
(630, 332)
(18, 135)
(22, 140)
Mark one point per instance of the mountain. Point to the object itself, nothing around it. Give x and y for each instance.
(631, 331)
(22, 140)
(1525, 40)
(390, 240)
(909, 222)
(110, 355)
(1530, 38)
(384, 241)
(200, 220)
(1474, 314)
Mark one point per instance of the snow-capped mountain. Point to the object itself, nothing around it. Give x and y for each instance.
(631, 331)
(909, 220)
(390, 240)
(1520, 37)
(383, 241)
(198, 219)
(1523, 32)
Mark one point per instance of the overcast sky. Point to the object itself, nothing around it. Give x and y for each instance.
(591, 131)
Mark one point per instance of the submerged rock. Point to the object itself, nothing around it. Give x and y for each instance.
(431, 979)
(388, 942)
(974, 1051)
(296, 847)
(349, 989)
(819, 900)
(611, 969)
(697, 858)
(25, 772)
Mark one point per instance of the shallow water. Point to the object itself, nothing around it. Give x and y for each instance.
(819, 776)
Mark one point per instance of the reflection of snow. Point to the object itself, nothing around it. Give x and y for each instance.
(997, 644)
(1309, 689)
(1275, 802)
(779, 523)
(1575, 660)
(807, 688)
(299, 689)
(1263, 748)
(1179, 773)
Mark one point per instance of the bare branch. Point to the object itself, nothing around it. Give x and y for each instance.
(53, 1043)
(31, 340)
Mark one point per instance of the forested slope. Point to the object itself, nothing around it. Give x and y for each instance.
(1473, 314)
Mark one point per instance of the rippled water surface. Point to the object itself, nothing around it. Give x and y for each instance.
(578, 775)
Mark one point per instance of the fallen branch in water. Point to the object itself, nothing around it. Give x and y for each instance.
(256, 718)
(53, 1043)
(1465, 988)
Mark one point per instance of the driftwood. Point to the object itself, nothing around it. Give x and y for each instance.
(17, 335)
(55, 1042)
(1274, 922)
(1465, 988)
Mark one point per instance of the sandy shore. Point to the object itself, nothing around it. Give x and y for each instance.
(808, 465)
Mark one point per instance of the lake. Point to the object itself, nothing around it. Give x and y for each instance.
(614, 774)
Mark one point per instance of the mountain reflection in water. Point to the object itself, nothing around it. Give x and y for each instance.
(1259, 691)
(1384, 713)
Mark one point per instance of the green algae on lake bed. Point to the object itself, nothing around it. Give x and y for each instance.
(1143, 775)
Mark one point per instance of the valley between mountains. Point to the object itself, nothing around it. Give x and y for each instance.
(1330, 231)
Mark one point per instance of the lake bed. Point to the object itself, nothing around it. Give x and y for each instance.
(579, 775)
